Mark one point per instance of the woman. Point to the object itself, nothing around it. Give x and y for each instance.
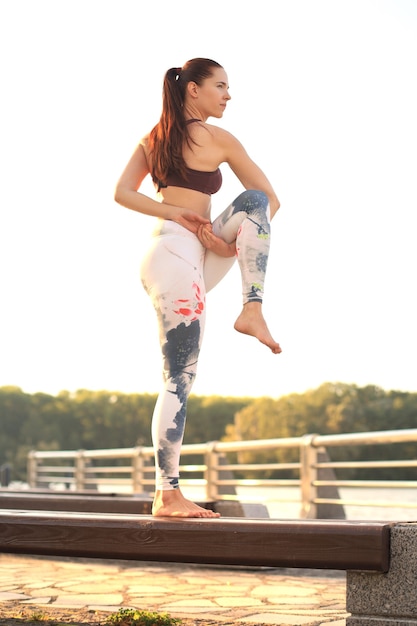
(189, 254)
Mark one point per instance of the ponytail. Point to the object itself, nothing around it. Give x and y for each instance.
(171, 133)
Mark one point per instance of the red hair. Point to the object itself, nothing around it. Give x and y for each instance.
(167, 138)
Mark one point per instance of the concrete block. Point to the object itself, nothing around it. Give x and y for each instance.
(387, 599)
(380, 621)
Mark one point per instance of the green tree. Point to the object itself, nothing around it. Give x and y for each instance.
(104, 419)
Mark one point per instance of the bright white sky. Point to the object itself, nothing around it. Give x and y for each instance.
(324, 99)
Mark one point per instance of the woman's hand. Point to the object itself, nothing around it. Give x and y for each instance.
(190, 220)
(216, 244)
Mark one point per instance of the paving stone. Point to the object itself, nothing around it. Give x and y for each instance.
(233, 589)
(148, 589)
(92, 588)
(206, 592)
(86, 599)
(39, 600)
(192, 611)
(48, 591)
(238, 601)
(9, 595)
(191, 603)
(277, 618)
(39, 585)
(298, 602)
(282, 590)
(106, 607)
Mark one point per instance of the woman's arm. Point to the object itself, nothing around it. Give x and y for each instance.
(127, 194)
(214, 243)
(126, 191)
(247, 171)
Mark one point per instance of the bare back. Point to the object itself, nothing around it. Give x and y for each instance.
(204, 154)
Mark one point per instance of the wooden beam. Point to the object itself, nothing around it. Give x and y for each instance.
(74, 502)
(83, 502)
(319, 544)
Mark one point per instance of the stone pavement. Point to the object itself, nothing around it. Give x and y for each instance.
(245, 595)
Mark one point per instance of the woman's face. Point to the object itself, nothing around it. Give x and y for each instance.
(212, 95)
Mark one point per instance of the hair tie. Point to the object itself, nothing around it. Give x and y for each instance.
(178, 71)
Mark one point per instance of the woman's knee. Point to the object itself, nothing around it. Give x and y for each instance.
(251, 202)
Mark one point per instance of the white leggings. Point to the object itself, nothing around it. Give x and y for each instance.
(177, 272)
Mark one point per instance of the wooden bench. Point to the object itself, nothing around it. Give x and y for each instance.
(320, 544)
(80, 502)
(380, 557)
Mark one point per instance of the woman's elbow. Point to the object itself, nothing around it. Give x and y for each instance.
(274, 206)
(118, 194)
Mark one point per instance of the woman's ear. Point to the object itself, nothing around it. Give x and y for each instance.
(192, 89)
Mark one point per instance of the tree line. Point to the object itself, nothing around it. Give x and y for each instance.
(102, 419)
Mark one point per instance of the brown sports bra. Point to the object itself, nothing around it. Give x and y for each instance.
(198, 180)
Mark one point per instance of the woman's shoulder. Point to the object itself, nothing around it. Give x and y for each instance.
(144, 145)
(221, 135)
(144, 141)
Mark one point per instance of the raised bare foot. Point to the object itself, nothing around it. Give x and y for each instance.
(252, 322)
(173, 504)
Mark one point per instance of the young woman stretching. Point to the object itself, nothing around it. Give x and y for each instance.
(189, 254)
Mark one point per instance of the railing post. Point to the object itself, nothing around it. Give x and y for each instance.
(80, 470)
(32, 469)
(308, 475)
(5, 473)
(211, 474)
(137, 470)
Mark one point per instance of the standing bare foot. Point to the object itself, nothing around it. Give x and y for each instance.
(173, 504)
(252, 322)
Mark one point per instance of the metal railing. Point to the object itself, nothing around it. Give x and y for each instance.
(131, 470)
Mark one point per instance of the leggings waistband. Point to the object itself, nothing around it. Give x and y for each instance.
(168, 227)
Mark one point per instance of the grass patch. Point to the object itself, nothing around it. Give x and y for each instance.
(134, 617)
(38, 616)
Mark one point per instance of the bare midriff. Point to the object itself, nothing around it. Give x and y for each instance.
(187, 199)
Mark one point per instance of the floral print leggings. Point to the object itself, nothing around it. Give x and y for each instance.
(177, 272)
